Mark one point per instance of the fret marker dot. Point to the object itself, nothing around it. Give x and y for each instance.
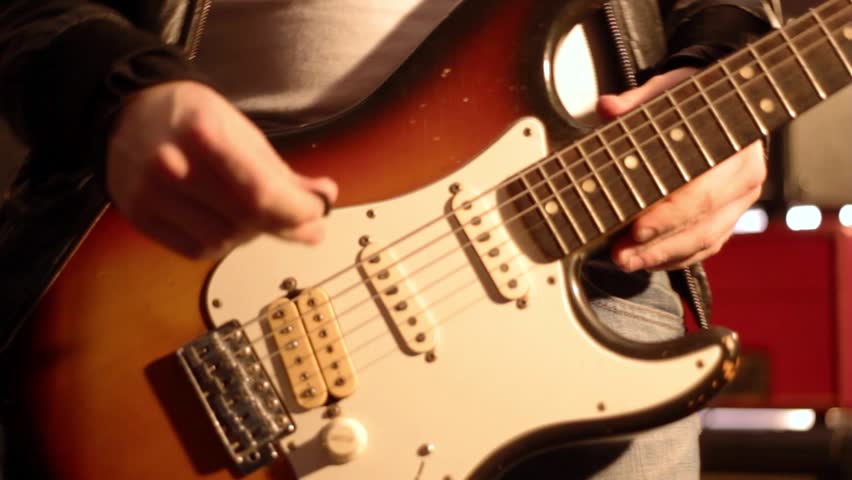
(747, 72)
(551, 207)
(847, 32)
(677, 134)
(589, 186)
(631, 162)
(767, 105)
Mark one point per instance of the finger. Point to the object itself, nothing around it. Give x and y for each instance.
(610, 106)
(311, 233)
(325, 187)
(694, 243)
(740, 175)
(207, 226)
(260, 193)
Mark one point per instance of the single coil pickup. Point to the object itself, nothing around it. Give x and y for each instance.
(498, 254)
(412, 324)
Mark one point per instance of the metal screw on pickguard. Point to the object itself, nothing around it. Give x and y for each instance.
(288, 284)
(521, 303)
(216, 303)
(333, 411)
(527, 132)
(426, 449)
(430, 357)
(455, 188)
(601, 407)
(364, 240)
(371, 213)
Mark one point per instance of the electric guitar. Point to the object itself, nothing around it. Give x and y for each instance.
(441, 330)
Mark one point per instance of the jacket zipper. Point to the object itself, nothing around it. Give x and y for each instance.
(626, 61)
(620, 47)
(194, 40)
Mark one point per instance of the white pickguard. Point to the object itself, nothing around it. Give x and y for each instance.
(500, 371)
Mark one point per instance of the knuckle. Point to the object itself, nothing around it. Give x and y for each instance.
(257, 199)
(203, 131)
(706, 203)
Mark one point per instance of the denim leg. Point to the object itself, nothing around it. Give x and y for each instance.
(641, 307)
(645, 309)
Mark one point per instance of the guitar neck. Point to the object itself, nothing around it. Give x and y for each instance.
(598, 184)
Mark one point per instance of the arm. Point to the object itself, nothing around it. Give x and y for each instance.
(65, 67)
(85, 88)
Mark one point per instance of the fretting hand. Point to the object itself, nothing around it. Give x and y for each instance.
(692, 223)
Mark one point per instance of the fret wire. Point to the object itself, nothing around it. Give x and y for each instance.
(805, 68)
(772, 82)
(639, 200)
(669, 149)
(712, 108)
(600, 181)
(581, 194)
(831, 40)
(662, 188)
(685, 121)
(757, 120)
(559, 200)
(543, 210)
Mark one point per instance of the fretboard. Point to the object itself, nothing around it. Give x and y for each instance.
(599, 183)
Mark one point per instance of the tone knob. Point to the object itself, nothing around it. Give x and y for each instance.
(344, 439)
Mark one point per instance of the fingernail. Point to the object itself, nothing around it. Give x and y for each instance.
(644, 234)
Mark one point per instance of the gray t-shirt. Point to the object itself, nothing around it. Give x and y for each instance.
(299, 61)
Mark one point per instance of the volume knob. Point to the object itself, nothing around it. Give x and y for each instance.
(344, 439)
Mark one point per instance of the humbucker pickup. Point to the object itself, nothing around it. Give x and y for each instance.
(246, 410)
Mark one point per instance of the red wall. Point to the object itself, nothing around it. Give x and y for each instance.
(787, 294)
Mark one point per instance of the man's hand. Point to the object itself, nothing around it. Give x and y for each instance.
(190, 171)
(694, 222)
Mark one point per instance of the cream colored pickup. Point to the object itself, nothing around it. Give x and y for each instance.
(412, 323)
(311, 348)
(296, 354)
(327, 340)
(484, 229)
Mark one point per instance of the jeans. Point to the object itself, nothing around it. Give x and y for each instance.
(644, 308)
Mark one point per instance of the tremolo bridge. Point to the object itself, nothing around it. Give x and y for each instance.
(245, 408)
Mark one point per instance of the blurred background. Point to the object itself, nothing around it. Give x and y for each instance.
(784, 283)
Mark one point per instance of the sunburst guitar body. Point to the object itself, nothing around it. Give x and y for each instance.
(440, 331)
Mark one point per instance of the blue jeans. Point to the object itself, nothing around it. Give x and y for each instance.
(644, 308)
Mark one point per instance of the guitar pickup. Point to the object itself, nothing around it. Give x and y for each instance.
(411, 322)
(498, 254)
(244, 407)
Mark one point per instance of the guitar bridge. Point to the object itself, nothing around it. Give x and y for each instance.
(245, 408)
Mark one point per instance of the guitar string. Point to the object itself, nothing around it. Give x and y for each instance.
(266, 336)
(760, 76)
(426, 308)
(546, 159)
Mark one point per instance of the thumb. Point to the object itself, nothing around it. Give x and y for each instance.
(611, 106)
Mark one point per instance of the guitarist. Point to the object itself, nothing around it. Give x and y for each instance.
(188, 168)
